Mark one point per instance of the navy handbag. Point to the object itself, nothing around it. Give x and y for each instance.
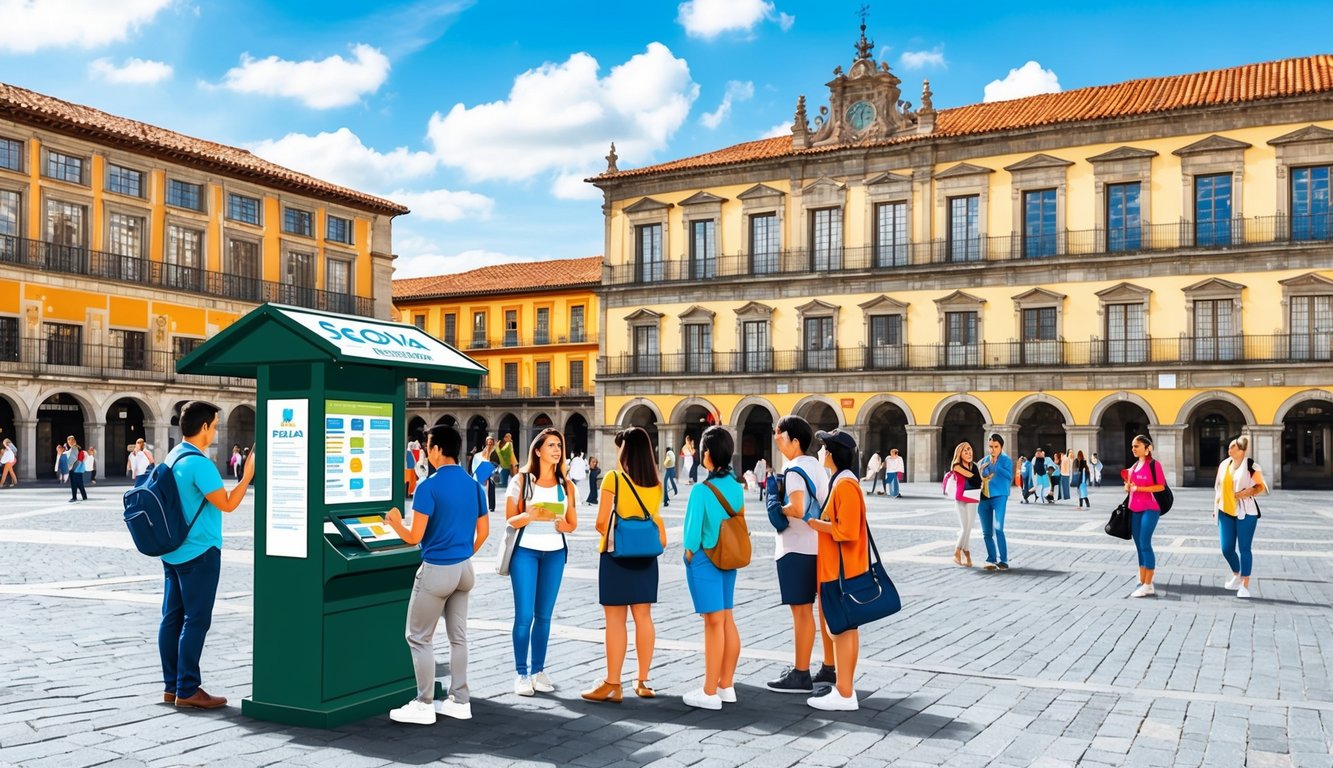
(633, 536)
(849, 603)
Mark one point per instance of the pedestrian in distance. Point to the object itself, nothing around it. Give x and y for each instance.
(997, 477)
(794, 500)
(1041, 477)
(1239, 482)
(1142, 480)
(141, 460)
(1080, 480)
(1066, 475)
(967, 493)
(507, 460)
(712, 588)
(594, 478)
(75, 457)
(192, 571)
(692, 451)
(895, 471)
(234, 462)
(486, 454)
(450, 523)
(628, 585)
(90, 466)
(761, 475)
(669, 475)
(540, 503)
(843, 547)
(62, 462)
(1059, 484)
(1025, 476)
(1095, 464)
(875, 473)
(9, 457)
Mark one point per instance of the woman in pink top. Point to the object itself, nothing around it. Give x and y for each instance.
(1141, 481)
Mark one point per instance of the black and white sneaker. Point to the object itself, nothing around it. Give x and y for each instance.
(826, 676)
(792, 681)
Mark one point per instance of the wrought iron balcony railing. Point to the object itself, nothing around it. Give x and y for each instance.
(74, 260)
(1279, 231)
(40, 357)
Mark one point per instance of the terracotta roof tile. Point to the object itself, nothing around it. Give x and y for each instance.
(503, 278)
(25, 106)
(1252, 82)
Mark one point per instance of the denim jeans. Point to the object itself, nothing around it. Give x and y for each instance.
(76, 486)
(1236, 533)
(535, 577)
(187, 613)
(991, 511)
(1142, 525)
(893, 483)
(669, 479)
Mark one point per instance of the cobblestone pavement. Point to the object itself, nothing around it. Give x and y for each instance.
(1048, 664)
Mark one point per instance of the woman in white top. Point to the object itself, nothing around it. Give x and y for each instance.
(540, 503)
(1237, 513)
(9, 456)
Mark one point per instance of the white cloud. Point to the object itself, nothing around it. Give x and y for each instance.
(341, 157)
(31, 25)
(1028, 80)
(444, 204)
(736, 91)
(133, 72)
(710, 18)
(559, 120)
(781, 129)
(331, 82)
(923, 59)
(421, 257)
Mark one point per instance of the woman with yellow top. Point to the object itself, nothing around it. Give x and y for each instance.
(1236, 511)
(628, 584)
(842, 543)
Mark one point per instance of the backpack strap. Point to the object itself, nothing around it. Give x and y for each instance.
(731, 512)
(813, 496)
(646, 514)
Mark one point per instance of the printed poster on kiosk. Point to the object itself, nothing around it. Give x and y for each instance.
(358, 451)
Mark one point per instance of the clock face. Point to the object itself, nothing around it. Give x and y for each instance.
(860, 115)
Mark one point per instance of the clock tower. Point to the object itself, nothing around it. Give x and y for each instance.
(864, 104)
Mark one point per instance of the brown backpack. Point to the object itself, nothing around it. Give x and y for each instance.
(733, 537)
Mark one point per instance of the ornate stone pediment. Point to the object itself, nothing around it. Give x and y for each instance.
(1213, 143)
(883, 305)
(702, 198)
(647, 204)
(1310, 281)
(888, 179)
(1310, 133)
(1213, 285)
(963, 169)
(697, 314)
(817, 307)
(959, 299)
(760, 191)
(1122, 153)
(754, 309)
(1038, 162)
(644, 316)
(1123, 293)
(1039, 296)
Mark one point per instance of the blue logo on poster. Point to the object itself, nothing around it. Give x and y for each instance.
(287, 417)
(358, 425)
(357, 484)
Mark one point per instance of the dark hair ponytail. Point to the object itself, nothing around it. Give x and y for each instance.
(717, 441)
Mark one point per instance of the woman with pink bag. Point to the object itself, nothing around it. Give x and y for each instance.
(963, 485)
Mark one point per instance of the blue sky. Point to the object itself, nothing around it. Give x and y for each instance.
(484, 117)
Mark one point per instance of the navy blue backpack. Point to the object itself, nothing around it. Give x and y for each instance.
(153, 510)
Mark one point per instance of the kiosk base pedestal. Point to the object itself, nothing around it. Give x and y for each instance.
(338, 712)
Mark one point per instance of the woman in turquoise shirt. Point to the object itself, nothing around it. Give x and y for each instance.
(712, 588)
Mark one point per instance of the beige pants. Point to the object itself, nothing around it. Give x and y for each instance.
(440, 589)
(967, 514)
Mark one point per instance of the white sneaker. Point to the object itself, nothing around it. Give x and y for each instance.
(451, 708)
(1144, 590)
(542, 683)
(523, 686)
(1233, 582)
(1243, 591)
(728, 695)
(701, 700)
(834, 702)
(417, 712)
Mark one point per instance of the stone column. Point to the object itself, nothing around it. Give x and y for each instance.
(1169, 449)
(1082, 437)
(29, 455)
(94, 434)
(925, 442)
(1266, 450)
(158, 436)
(1007, 431)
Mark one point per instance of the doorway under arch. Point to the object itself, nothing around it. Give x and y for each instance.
(241, 427)
(1208, 432)
(576, 434)
(1307, 442)
(58, 417)
(820, 415)
(963, 421)
(756, 438)
(476, 433)
(1116, 431)
(696, 419)
(1041, 425)
(509, 425)
(886, 429)
(643, 416)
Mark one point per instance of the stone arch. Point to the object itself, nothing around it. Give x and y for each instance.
(682, 408)
(576, 432)
(1187, 410)
(1039, 397)
(46, 394)
(629, 407)
(807, 405)
(1106, 403)
(943, 406)
(868, 410)
(1298, 398)
(151, 413)
(744, 406)
(22, 411)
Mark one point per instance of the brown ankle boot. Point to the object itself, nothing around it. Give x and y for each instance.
(605, 691)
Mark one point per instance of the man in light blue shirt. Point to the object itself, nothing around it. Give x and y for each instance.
(192, 570)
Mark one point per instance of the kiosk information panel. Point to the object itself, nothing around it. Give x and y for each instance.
(358, 451)
(284, 461)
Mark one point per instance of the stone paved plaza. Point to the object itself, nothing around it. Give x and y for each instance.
(1048, 664)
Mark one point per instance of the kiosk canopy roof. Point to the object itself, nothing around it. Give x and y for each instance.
(277, 334)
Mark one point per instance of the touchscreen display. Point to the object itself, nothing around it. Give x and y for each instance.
(370, 528)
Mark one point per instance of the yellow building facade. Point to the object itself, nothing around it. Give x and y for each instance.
(1066, 270)
(535, 328)
(123, 246)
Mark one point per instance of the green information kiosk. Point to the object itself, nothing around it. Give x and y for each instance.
(332, 581)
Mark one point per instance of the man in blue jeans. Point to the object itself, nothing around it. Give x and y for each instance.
(997, 475)
(192, 570)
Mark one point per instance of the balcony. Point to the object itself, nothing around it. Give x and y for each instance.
(514, 341)
(1154, 352)
(70, 260)
(421, 390)
(1276, 231)
(66, 359)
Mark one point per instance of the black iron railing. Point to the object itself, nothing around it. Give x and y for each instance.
(44, 357)
(1183, 350)
(422, 390)
(74, 260)
(1282, 231)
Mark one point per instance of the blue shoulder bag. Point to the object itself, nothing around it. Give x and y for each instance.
(633, 536)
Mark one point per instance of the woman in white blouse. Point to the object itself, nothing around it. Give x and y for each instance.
(1236, 511)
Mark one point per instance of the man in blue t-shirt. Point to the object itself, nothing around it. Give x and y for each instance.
(450, 523)
(192, 570)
